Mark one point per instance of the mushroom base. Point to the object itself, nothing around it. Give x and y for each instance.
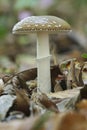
(44, 83)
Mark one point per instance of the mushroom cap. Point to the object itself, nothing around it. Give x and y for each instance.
(34, 24)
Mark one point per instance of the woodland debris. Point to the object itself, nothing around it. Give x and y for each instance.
(6, 102)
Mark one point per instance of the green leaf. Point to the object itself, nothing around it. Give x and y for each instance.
(3, 26)
(84, 55)
(20, 4)
(40, 122)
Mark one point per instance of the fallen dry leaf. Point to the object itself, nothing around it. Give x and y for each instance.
(49, 121)
(65, 100)
(21, 102)
(47, 103)
(82, 104)
(83, 93)
(73, 121)
(6, 102)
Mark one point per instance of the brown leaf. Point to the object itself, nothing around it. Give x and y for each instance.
(73, 121)
(47, 103)
(83, 93)
(60, 83)
(82, 107)
(21, 102)
(26, 75)
(1, 86)
(55, 72)
(31, 74)
(71, 76)
(82, 104)
(81, 83)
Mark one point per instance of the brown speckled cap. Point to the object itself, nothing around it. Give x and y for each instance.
(41, 24)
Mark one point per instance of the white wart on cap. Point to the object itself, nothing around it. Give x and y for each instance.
(42, 26)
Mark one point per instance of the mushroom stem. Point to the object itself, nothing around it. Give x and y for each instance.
(43, 62)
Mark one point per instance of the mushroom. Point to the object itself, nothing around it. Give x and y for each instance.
(42, 26)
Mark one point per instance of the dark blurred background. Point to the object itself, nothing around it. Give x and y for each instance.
(20, 51)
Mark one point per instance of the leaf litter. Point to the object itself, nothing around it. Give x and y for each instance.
(21, 104)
